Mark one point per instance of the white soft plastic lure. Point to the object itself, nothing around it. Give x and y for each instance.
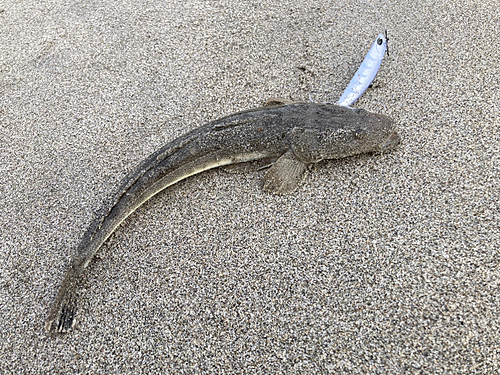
(366, 72)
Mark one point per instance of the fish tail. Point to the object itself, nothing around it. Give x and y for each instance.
(62, 316)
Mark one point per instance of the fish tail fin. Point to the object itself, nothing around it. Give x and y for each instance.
(62, 316)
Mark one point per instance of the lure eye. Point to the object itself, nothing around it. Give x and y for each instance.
(379, 41)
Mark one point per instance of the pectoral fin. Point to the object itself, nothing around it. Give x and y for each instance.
(285, 175)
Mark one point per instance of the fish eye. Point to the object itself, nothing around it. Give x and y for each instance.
(359, 133)
(379, 41)
(358, 111)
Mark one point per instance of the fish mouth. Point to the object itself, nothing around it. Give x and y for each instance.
(391, 142)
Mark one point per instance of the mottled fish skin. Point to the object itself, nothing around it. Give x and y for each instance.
(294, 135)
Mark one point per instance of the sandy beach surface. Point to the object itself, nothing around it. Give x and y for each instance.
(384, 264)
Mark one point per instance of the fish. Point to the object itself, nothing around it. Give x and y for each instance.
(288, 138)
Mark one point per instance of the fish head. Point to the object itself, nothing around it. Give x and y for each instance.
(374, 133)
(338, 132)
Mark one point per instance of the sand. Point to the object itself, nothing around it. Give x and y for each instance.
(382, 264)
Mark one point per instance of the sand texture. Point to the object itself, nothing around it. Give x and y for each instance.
(383, 264)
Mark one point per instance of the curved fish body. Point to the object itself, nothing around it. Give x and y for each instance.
(293, 136)
(366, 73)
